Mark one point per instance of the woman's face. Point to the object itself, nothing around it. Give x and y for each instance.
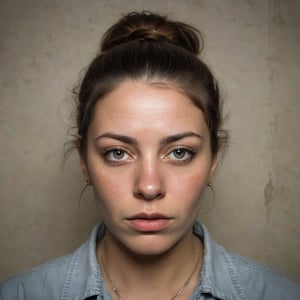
(148, 159)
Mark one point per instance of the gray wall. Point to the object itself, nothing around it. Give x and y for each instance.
(253, 47)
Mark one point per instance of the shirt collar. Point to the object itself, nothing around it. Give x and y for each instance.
(218, 274)
(84, 278)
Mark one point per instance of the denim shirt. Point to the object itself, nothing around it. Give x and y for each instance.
(224, 276)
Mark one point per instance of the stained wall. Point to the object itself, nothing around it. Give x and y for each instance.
(253, 48)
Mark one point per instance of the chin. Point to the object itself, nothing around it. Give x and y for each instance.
(150, 245)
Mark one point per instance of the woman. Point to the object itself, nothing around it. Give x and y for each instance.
(148, 134)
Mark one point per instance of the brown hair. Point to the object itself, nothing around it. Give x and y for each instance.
(150, 47)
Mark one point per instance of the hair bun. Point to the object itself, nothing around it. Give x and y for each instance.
(145, 34)
(148, 26)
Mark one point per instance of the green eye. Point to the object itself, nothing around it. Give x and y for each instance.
(116, 155)
(181, 154)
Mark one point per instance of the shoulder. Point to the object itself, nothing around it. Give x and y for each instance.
(227, 275)
(61, 278)
(260, 281)
(43, 282)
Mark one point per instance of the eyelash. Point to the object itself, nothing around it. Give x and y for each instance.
(187, 151)
(107, 154)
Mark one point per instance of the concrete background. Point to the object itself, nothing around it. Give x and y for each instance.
(254, 50)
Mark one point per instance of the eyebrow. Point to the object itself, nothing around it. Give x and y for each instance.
(132, 141)
(179, 136)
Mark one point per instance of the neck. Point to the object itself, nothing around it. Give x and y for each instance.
(154, 276)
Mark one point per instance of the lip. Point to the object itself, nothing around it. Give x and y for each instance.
(145, 222)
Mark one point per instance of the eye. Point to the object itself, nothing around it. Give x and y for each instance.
(116, 155)
(181, 154)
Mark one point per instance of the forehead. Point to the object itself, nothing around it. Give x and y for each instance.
(135, 104)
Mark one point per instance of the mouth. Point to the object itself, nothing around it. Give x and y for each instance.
(144, 222)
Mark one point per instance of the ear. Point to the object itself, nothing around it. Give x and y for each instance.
(84, 169)
(213, 168)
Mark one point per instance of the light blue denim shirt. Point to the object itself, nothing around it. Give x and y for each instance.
(224, 276)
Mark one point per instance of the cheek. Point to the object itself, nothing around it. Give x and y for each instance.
(188, 192)
(110, 190)
(191, 183)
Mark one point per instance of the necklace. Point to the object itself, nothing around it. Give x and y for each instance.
(178, 292)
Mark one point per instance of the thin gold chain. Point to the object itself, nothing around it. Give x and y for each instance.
(178, 293)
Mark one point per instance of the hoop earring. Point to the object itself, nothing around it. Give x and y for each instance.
(211, 187)
(86, 184)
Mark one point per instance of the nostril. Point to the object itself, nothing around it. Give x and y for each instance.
(149, 192)
(149, 197)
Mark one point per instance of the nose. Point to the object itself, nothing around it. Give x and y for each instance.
(149, 183)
